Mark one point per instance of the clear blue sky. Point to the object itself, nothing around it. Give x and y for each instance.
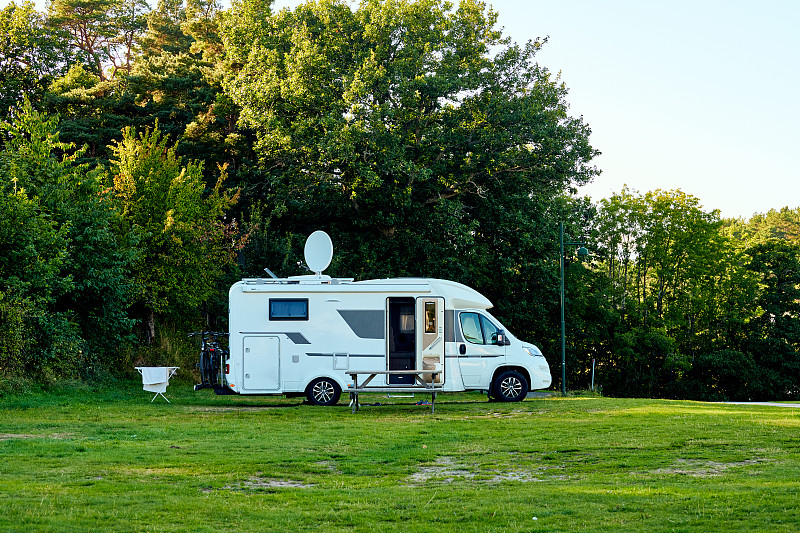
(697, 95)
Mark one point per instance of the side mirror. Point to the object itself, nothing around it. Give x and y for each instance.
(502, 340)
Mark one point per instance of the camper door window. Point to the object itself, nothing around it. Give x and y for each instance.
(288, 309)
(430, 317)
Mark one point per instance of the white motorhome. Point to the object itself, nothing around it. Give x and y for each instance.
(300, 335)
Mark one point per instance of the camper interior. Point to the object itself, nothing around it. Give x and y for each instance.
(401, 338)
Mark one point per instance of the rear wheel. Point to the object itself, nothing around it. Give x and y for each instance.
(209, 367)
(510, 386)
(323, 391)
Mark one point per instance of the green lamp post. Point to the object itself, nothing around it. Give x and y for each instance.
(582, 252)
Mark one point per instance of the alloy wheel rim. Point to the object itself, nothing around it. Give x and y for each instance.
(510, 387)
(323, 391)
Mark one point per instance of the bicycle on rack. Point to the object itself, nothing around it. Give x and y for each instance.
(212, 360)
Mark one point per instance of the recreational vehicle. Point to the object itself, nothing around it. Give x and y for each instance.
(302, 335)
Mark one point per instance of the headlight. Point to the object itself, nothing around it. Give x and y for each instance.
(533, 351)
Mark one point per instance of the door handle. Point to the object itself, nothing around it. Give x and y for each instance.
(462, 349)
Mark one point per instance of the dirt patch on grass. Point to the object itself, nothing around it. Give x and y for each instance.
(256, 484)
(59, 436)
(499, 414)
(219, 409)
(329, 466)
(703, 468)
(12, 436)
(447, 470)
(240, 408)
(444, 470)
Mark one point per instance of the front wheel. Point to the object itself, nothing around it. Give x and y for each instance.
(510, 386)
(323, 391)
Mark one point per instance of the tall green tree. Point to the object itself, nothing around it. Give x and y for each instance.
(31, 55)
(775, 339)
(104, 31)
(164, 33)
(130, 22)
(400, 105)
(34, 250)
(424, 140)
(176, 81)
(90, 29)
(67, 263)
(673, 274)
(93, 96)
(663, 254)
(184, 242)
(781, 223)
(93, 112)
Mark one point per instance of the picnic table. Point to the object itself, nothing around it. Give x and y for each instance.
(419, 385)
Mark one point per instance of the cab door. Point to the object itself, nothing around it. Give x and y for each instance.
(430, 336)
(478, 350)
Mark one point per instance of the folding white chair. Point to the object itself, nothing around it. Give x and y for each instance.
(156, 378)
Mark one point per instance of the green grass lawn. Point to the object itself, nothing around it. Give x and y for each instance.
(73, 459)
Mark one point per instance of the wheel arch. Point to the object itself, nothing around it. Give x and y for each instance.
(503, 368)
(333, 377)
(323, 395)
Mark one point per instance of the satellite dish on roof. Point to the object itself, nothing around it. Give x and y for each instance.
(318, 251)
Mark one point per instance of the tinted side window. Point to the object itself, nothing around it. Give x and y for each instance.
(471, 327)
(489, 331)
(288, 309)
(478, 329)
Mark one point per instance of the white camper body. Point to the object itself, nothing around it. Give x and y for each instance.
(300, 335)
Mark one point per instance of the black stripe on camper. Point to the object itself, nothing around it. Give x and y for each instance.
(294, 336)
(365, 323)
(350, 355)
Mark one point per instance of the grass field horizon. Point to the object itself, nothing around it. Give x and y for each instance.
(78, 458)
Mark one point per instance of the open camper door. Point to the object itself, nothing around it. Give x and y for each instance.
(430, 335)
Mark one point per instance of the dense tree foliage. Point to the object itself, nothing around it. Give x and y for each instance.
(422, 139)
(712, 303)
(149, 157)
(63, 273)
(32, 54)
(185, 245)
(781, 223)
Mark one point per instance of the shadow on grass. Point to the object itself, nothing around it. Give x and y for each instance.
(216, 407)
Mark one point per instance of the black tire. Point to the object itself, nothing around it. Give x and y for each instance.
(510, 386)
(204, 370)
(209, 368)
(323, 391)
